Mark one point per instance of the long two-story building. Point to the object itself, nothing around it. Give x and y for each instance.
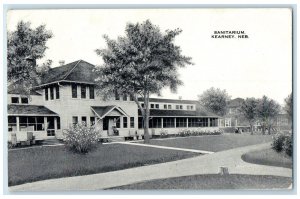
(68, 95)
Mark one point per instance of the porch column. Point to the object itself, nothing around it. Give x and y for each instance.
(187, 122)
(208, 123)
(175, 122)
(121, 122)
(45, 123)
(18, 123)
(55, 123)
(162, 122)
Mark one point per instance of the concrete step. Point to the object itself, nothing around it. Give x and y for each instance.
(116, 139)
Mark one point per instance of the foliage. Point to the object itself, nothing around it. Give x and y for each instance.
(164, 133)
(216, 100)
(278, 140)
(81, 138)
(267, 110)
(248, 110)
(288, 145)
(140, 63)
(289, 106)
(24, 47)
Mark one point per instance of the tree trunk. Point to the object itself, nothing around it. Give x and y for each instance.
(146, 119)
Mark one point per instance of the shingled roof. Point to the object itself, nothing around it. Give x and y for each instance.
(77, 71)
(28, 110)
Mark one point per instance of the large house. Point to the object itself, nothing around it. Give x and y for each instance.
(67, 95)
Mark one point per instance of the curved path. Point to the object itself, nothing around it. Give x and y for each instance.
(206, 164)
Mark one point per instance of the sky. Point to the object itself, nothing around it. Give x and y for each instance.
(258, 65)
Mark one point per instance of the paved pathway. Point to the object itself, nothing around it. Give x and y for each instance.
(206, 164)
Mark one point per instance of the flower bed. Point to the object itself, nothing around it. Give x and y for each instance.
(187, 132)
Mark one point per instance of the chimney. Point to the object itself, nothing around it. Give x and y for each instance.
(61, 62)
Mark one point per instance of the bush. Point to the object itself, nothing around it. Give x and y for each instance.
(288, 145)
(278, 141)
(81, 138)
(163, 133)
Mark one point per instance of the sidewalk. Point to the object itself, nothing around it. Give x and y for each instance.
(206, 164)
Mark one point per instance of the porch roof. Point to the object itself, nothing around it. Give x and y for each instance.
(31, 110)
(102, 111)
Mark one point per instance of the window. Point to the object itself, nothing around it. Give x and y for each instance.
(198, 122)
(213, 122)
(74, 91)
(188, 107)
(58, 122)
(57, 92)
(142, 104)
(118, 123)
(180, 107)
(177, 106)
(51, 93)
(151, 105)
(15, 100)
(131, 98)
(192, 107)
(83, 120)
(140, 123)
(124, 122)
(12, 123)
(32, 123)
(46, 94)
(165, 106)
(227, 122)
(169, 122)
(83, 91)
(131, 122)
(92, 120)
(92, 92)
(180, 122)
(169, 106)
(125, 97)
(24, 100)
(117, 96)
(157, 106)
(155, 122)
(74, 120)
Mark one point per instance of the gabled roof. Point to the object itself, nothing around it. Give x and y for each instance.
(27, 110)
(11, 89)
(102, 111)
(77, 71)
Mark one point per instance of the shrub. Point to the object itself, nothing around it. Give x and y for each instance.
(163, 133)
(288, 145)
(278, 141)
(81, 138)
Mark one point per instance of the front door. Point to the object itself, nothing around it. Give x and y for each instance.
(50, 127)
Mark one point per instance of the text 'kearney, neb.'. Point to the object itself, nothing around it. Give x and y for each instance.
(229, 35)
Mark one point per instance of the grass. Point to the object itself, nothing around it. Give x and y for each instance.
(213, 181)
(269, 157)
(33, 164)
(214, 143)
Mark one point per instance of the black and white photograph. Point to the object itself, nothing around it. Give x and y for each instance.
(149, 99)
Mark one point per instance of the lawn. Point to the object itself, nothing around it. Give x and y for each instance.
(214, 143)
(268, 157)
(28, 165)
(213, 181)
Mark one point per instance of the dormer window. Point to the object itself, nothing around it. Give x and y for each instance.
(15, 100)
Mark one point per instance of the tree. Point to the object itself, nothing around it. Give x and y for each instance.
(24, 47)
(289, 106)
(216, 100)
(140, 64)
(267, 111)
(248, 110)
